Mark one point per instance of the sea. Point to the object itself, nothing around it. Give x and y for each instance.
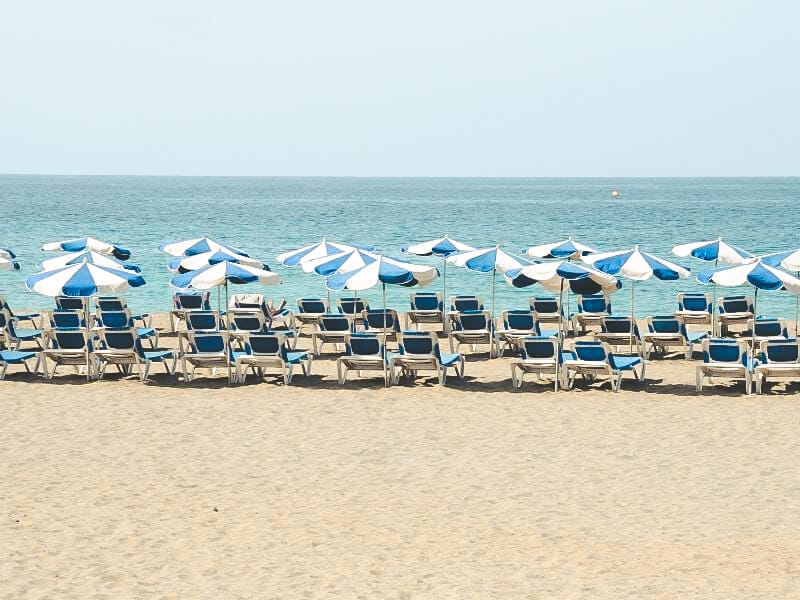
(269, 215)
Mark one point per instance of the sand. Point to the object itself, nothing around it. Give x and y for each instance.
(117, 489)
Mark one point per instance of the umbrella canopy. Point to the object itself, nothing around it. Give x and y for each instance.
(88, 243)
(89, 256)
(8, 264)
(7, 254)
(321, 249)
(713, 250)
(184, 264)
(569, 249)
(754, 273)
(555, 275)
(789, 260)
(486, 260)
(197, 246)
(344, 262)
(223, 273)
(636, 265)
(83, 279)
(443, 246)
(383, 270)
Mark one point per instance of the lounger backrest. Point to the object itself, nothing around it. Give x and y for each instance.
(722, 351)
(352, 306)
(735, 304)
(248, 321)
(192, 301)
(120, 340)
(544, 305)
(768, 327)
(334, 323)
(664, 324)
(425, 302)
(417, 344)
(472, 321)
(5, 318)
(69, 340)
(535, 347)
(379, 319)
(466, 303)
(312, 305)
(694, 302)
(207, 343)
(115, 319)
(595, 303)
(363, 344)
(616, 325)
(266, 345)
(781, 351)
(205, 320)
(522, 320)
(591, 351)
(110, 303)
(67, 319)
(70, 303)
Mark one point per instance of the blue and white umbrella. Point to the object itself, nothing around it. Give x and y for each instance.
(441, 247)
(83, 279)
(715, 251)
(89, 256)
(554, 275)
(321, 249)
(88, 243)
(8, 264)
(221, 274)
(184, 264)
(567, 249)
(755, 273)
(382, 271)
(718, 252)
(636, 266)
(789, 260)
(488, 260)
(200, 245)
(344, 262)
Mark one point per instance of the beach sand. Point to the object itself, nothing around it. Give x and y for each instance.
(122, 490)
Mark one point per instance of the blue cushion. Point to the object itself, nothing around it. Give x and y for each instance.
(157, 355)
(295, 358)
(15, 357)
(449, 360)
(624, 363)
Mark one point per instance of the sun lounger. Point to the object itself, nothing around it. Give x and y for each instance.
(779, 359)
(186, 302)
(309, 310)
(363, 352)
(123, 348)
(426, 308)
(669, 332)
(332, 329)
(67, 347)
(473, 329)
(694, 309)
(538, 355)
(16, 357)
(420, 351)
(595, 359)
(269, 351)
(592, 309)
(517, 325)
(616, 332)
(733, 310)
(726, 358)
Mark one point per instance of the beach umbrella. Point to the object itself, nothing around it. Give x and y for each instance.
(88, 243)
(755, 273)
(636, 266)
(83, 279)
(719, 252)
(184, 264)
(441, 247)
(567, 249)
(319, 250)
(197, 246)
(89, 256)
(382, 271)
(789, 260)
(8, 264)
(488, 260)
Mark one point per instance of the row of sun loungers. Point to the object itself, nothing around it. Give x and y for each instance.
(250, 338)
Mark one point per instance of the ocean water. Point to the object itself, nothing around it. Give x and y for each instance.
(269, 215)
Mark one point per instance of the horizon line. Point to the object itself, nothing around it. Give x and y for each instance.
(153, 175)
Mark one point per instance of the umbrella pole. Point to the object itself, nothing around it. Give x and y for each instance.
(494, 286)
(796, 309)
(714, 304)
(444, 296)
(88, 341)
(227, 333)
(753, 333)
(633, 312)
(561, 324)
(385, 373)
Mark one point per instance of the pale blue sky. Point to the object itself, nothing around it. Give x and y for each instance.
(617, 88)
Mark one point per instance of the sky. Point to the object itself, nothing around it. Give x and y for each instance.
(412, 88)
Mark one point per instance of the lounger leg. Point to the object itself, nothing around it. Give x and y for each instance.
(699, 380)
(748, 382)
(342, 375)
(3, 371)
(514, 378)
